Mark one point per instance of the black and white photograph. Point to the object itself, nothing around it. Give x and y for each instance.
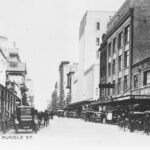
(74, 74)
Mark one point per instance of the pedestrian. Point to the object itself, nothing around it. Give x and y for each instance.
(36, 123)
(45, 120)
(147, 124)
(131, 123)
(39, 120)
(16, 123)
(3, 123)
(51, 114)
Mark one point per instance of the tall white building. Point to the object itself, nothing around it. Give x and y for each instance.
(92, 27)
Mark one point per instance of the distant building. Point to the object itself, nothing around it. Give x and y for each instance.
(70, 82)
(30, 91)
(63, 71)
(54, 103)
(74, 86)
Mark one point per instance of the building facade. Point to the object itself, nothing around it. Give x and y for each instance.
(30, 91)
(71, 84)
(92, 26)
(3, 59)
(63, 71)
(91, 80)
(126, 49)
(16, 74)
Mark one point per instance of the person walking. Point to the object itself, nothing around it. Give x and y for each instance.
(45, 119)
(35, 123)
(16, 123)
(3, 123)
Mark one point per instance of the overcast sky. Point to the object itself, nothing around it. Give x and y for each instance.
(46, 31)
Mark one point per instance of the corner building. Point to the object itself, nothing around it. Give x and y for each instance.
(127, 50)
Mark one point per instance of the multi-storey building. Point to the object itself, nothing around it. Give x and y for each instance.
(53, 105)
(74, 86)
(30, 91)
(70, 82)
(63, 71)
(3, 59)
(126, 49)
(92, 26)
(15, 74)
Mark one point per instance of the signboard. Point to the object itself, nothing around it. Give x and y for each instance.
(109, 85)
(25, 111)
(109, 116)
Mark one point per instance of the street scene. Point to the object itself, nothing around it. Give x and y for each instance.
(64, 131)
(75, 73)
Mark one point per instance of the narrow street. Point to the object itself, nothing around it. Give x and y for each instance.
(76, 132)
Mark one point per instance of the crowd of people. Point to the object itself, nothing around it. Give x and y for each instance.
(41, 119)
(134, 122)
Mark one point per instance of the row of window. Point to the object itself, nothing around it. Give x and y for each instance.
(112, 66)
(123, 37)
(97, 28)
(146, 79)
(125, 82)
(119, 85)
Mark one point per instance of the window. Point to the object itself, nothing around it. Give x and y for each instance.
(109, 50)
(97, 41)
(126, 59)
(146, 77)
(97, 25)
(114, 82)
(109, 69)
(126, 37)
(120, 40)
(114, 45)
(120, 62)
(114, 67)
(119, 85)
(125, 82)
(136, 81)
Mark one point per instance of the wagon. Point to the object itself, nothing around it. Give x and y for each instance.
(24, 118)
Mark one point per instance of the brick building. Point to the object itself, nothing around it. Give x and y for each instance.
(126, 49)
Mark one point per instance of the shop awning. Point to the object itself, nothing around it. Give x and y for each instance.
(77, 104)
(122, 98)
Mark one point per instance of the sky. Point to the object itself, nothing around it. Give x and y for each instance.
(46, 33)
